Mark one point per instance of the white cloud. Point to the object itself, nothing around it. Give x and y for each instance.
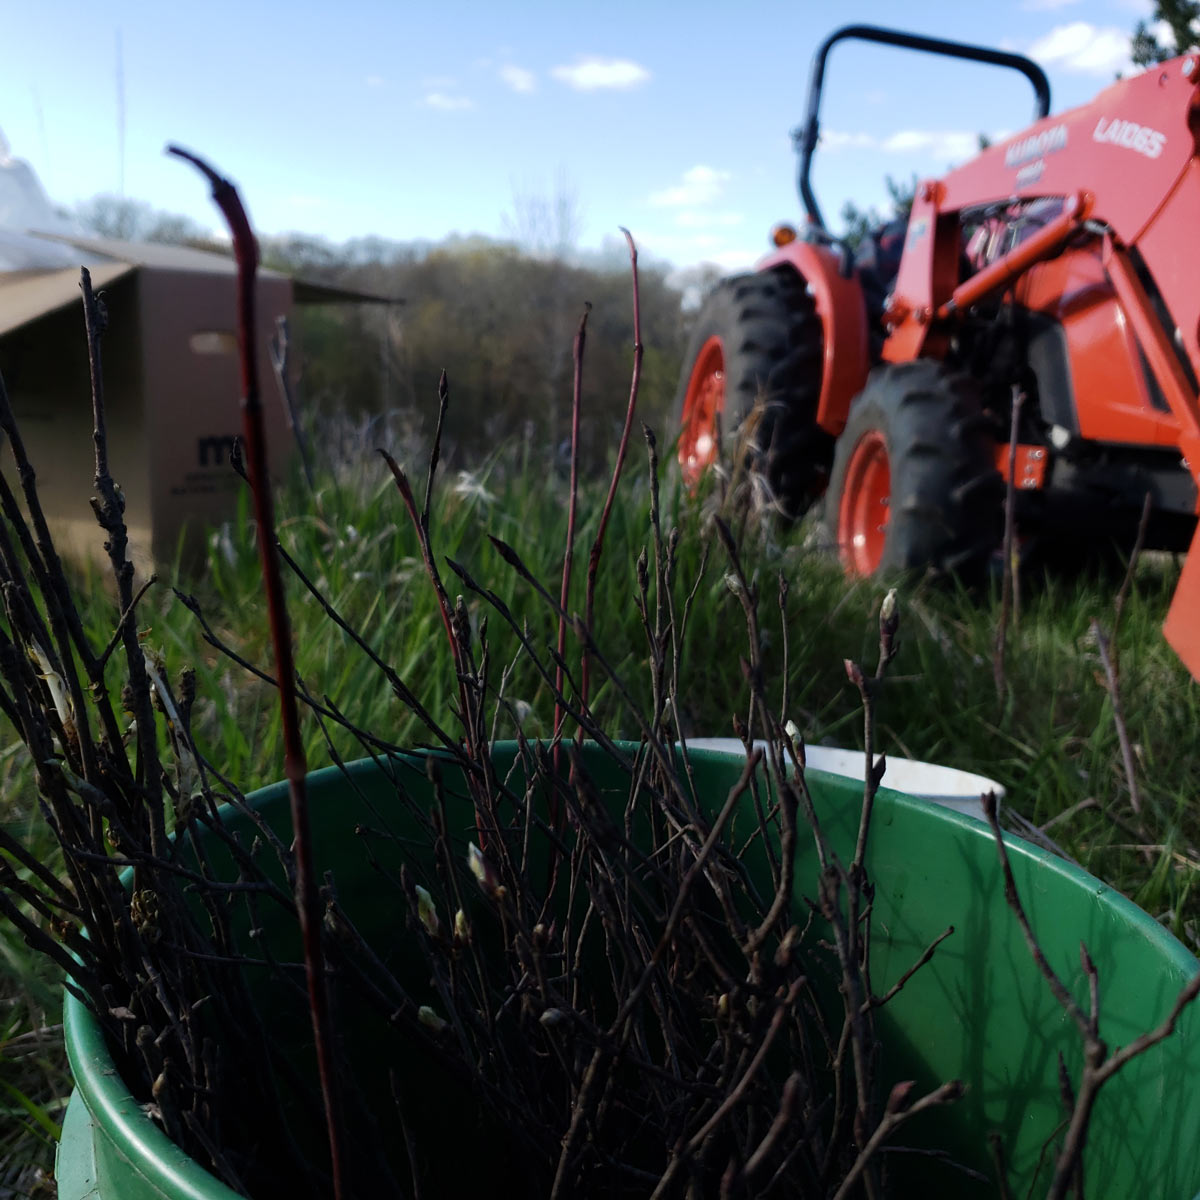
(700, 185)
(936, 143)
(591, 73)
(518, 78)
(445, 103)
(836, 139)
(1165, 35)
(690, 218)
(940, 144)
(1084, 48)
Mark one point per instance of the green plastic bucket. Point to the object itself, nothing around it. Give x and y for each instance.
(979, 1012)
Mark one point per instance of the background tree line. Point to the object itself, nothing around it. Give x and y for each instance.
(498, 316)
(500, 320)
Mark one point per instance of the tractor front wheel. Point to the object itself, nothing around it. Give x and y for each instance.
(750, 387)
(914, 483)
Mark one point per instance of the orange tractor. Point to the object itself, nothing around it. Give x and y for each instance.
(1050, 275)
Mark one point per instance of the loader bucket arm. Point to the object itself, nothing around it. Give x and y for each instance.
(807, 135)
(1182, 626)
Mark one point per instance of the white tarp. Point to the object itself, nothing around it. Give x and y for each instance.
(26, 209)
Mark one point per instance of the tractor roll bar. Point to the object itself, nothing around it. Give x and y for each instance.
(807, 135)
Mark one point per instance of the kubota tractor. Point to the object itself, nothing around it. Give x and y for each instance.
(1058, 272)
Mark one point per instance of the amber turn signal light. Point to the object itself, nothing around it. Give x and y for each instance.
(782, 235)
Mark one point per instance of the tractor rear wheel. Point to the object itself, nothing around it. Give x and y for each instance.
(914, 483)
(750, 388)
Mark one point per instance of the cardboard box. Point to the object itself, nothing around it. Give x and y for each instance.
(171, 385)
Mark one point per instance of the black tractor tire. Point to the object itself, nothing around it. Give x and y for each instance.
(945, 503)
(771, 341)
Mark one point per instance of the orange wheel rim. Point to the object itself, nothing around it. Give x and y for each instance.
(864, 510)
(702, 402)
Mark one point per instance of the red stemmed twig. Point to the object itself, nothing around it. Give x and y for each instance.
(245, 252)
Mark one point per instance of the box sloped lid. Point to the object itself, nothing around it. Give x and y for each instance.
(27, 295)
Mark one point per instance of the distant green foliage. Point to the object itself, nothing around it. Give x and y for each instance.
(500, 322)
(499, 317)
(859, 222)
(128, 220)
(1182, 18)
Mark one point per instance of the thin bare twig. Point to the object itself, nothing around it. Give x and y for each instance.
(1008, 581)
(126, 616)
(598, 543)
(1064, 997)
(281, 366)
(927, 954)
(1099, 1065)
(895, 1115)
(1113, 687)
(572, 505)
(1131, 566)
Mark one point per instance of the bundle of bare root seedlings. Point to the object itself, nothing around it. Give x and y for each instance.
(620, 988)
(575, 973)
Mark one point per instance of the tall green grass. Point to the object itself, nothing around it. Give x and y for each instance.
(1049, 738)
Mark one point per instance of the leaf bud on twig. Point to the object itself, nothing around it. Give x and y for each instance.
(483, 871)
(796, 743)
(144, 911)
(430, 1019)
(900, 1096)
(187, 687)
(783, 954)
(427, 912)
(54, 683)
(889, 615)
(889, 623)
(462, 622)
(987, 802)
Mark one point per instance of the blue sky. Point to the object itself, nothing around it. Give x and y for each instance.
(419, 119)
